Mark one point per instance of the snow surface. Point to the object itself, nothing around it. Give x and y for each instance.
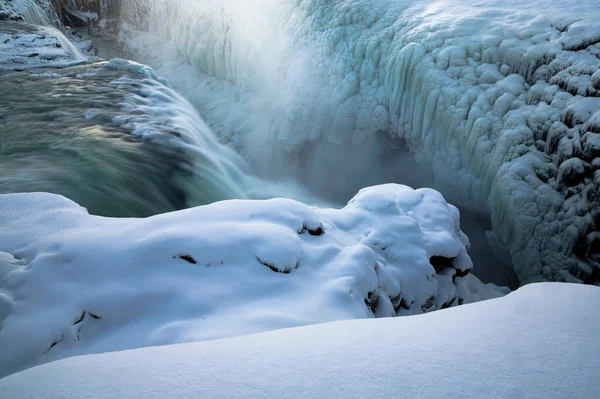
(537, 342)
(72, 283)
(496, 95)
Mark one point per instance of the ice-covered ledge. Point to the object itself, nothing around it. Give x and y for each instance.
(72, 283)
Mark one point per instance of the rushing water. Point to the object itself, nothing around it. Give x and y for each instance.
(112, 139)
(111, 135)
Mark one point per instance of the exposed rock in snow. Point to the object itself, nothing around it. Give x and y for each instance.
(72, 284)
(536, 343)
(496, 95)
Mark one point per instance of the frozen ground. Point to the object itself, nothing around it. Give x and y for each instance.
(72, 284)
(501, 97)
(535, 343)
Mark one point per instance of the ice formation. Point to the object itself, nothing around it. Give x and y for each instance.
(72, 283)
(501, 97)
(533, 343)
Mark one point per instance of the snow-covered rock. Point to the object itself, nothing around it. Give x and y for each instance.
(72, 283)
(538, 343)
(496, 95)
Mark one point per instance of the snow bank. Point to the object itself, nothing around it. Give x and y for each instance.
(72, 284)
(537, 342)
(495, 95)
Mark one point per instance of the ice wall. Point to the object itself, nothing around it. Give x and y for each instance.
(502, 98)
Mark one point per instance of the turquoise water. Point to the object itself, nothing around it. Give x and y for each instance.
(111, 139)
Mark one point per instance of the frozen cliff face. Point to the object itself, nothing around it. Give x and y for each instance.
(78, 13)
(73, 13)
(502, 98)
(71, 283)
(39, 12)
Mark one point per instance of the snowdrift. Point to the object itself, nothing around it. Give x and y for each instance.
(72, 283)
(537, 342)
(501, 97)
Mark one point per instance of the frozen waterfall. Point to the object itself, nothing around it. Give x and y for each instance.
(503, 102)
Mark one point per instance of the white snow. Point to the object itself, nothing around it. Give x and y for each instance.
(73, 284)
(494, 94)
(538, 342)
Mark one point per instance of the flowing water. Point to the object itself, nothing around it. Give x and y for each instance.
(112, 137)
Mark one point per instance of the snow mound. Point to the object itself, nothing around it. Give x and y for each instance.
(501, 97)
(72, 283)
(536, 342)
